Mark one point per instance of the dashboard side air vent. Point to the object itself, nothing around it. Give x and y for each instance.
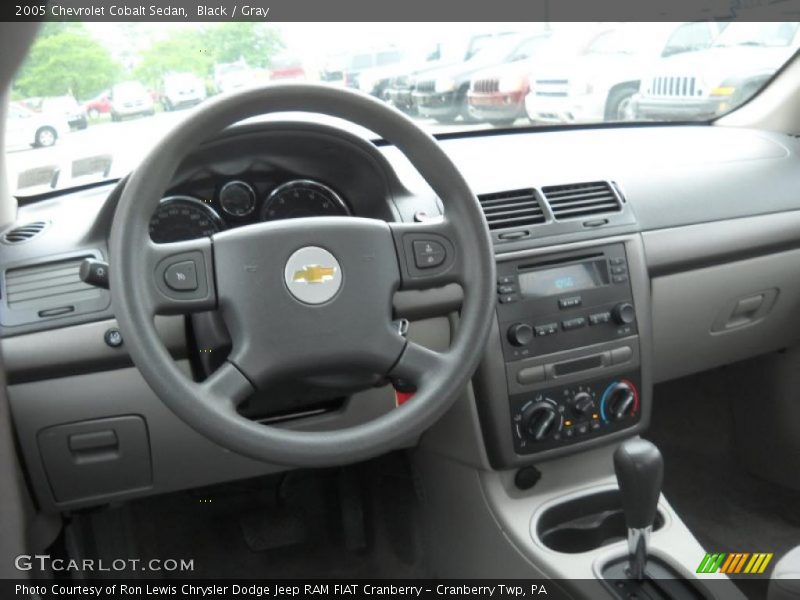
(515, 208)
(48, 286)
(23, 233)
(577, 200)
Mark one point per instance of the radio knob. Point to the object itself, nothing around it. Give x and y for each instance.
(541, 421)
(623, 313)
(520, 334)
(582, 404)
(620, 401)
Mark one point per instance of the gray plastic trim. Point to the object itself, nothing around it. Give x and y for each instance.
(688, 306)
(79, 349)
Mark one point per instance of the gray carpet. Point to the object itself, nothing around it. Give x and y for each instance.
(727, 508)
(305, 524)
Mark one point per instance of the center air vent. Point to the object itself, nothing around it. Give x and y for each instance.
(23, 233)
(581, 199)
(516, 208)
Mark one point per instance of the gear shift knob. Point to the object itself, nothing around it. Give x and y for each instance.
(640, 471)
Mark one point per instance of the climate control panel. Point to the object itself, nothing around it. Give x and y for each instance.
(568, 414)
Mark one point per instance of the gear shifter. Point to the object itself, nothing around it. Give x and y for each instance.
(640, 470)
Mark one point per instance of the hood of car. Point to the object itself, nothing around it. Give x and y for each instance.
(458, 72)
(616, 66)
(518, 69)
(720, 62)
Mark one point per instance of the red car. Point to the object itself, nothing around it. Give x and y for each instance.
(497, 94)
(100, 104)
(286, 67)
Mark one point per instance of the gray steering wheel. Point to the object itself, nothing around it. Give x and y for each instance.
(303, 295)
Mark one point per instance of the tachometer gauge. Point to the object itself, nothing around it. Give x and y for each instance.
(302, 198)
(180, 218)
(237, 198)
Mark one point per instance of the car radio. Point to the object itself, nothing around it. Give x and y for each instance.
(570, 345)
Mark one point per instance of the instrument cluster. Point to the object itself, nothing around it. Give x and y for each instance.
(237, 202)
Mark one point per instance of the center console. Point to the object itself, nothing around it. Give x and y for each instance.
(567, 352)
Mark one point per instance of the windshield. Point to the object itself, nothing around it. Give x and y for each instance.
(104, 93)
(757, 34)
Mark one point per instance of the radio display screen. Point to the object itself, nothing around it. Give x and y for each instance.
(563, 279)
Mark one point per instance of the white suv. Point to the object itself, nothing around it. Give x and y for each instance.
(599, 85)
(711, 81)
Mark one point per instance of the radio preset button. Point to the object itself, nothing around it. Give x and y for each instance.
(575, 323)
(570, 302)
(599, 318)
(546, 329)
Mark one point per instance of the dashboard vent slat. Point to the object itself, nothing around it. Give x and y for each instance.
(514, 208)
(581, 199)
(48, 285)
(23, 233)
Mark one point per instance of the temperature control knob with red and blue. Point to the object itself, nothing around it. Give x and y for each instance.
(619, 401)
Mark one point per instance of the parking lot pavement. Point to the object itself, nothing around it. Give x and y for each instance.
(129, 140)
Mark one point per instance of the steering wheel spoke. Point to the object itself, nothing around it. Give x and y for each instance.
(428, 254)
(227, 386)
(182, 277)
(417, 363)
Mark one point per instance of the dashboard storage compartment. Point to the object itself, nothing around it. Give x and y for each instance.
(96, 458)
(586, 523)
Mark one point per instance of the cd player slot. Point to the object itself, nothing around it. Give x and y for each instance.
(576, 366)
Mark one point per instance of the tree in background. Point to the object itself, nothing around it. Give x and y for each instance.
(256, 43)
(181, 52)
(65, 59)
(197, 51)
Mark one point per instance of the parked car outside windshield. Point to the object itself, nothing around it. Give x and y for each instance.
(130, 83)
(709, 81)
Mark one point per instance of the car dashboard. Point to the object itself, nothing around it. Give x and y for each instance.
(626, 256)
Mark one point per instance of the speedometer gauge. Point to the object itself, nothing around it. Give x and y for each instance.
(302, 198)
(180, 218)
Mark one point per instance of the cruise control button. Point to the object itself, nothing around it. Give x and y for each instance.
(182, 276)
(428, 254)
(617, 260)
(598, 318)
(619, 270)
(620, 278)
(508, 298)
(506, 289)
(505, 279)
(575, 323)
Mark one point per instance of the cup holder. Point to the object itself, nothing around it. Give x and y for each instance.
(586, 523)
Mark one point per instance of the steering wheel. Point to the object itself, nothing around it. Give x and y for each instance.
(303, 296)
